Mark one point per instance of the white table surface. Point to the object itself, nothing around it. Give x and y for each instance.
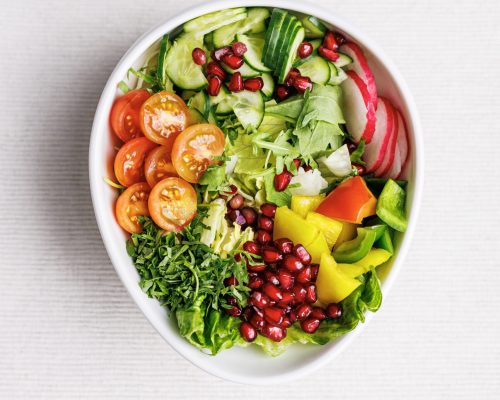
(69, 330)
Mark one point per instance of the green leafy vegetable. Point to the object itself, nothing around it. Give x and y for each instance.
(358, 153)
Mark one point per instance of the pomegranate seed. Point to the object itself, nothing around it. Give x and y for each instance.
(268, 209)
(286, 308)
(273, 315)
(282, 92)
(287, 299)
(360, 168)
(281, 181)
(286, 323)
(339, 38)
(265, 223)
(215, 69)
(310, 325)
(239, 48)
(293, 316)
(284, 245)
(318, 313)
(252, 247)
(257, 321)
(305, 49)
(329, 41)
(214, 85)
(231, 191)
(299, 294)
(248, 332)
(285, 278)
(199, 56)
(271, 255)
(255, 282)
(259, 299)
(271, 278)
(232, 61)
(272, 292)
(311, 296)
(302, 83)
(314, 271)
(351, 147)
(263, 237)
(234, 311)
(236, 217)
(231, 281)
(249, 214)
(307, 168)
(246, 314)
(236, 201)
(330, 55)
(254, 84)
(333, 310)
(292, 263)
(305, 275)
(302, 254)
(231, 300)
(296, 162)
(303, 311)
(256, 267)
(237, 257)
(275, 333)
(292, 75)
(236, 82)
(219, 53)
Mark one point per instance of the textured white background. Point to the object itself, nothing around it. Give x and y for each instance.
(68, 328)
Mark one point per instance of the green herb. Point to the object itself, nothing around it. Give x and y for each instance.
(358, 153)
(123, 87)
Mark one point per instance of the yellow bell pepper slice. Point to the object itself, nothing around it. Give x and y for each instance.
(317, 247)
(374, 258)
(332, 284)
(303, 204)
(348, 232)
(328, 226)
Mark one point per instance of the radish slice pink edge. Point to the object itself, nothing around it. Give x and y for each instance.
(376, 149)
(359, 110)
(391, 147)
(403, 143)
(361, 67)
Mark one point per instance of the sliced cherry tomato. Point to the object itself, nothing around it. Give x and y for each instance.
(129, 162)
(172, 204)
(163, 116)
(351, 201)
(158, 165)
(131, 204)
(124, 117)
(194, 150)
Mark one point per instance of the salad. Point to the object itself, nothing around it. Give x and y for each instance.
(259, 177)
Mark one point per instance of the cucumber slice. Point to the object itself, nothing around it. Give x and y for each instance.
(249, 108)
(210, 22)
(253, 55)
(187, 94)
(343, 60)
(314, 28)
(287, 65)
(255, 16)
(223, 94)
(268, 88)
(289, 26)
(259, 27)
(195, 117)
(245, 70)
(212, 118)
(299, 61)
(200, 102)
(161, 71)
(337, 75)
(180, 66)
(225, 107)
(272, 36)
(316, 68)
(209, 41)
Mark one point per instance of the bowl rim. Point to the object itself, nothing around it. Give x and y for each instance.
(95, 176)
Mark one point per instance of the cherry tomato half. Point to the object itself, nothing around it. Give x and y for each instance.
(158, 165)
(131, 204)
(129, 162)
(124, 117)
(172, 204)
(194, 150)
(163, 116)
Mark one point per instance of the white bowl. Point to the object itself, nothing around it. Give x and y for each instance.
(244, 365)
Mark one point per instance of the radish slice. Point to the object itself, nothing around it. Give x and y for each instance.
(359, 110)
(396, 166)
(376, 149)
(361, 67)
(403, 143)
(391, 147)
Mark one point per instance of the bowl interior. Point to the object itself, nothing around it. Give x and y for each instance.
(248, 365)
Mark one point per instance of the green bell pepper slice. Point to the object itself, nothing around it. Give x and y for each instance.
(391, 206)
(384, 234)
(354, 250)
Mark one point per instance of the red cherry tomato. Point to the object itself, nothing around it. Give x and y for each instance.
(124, 117)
